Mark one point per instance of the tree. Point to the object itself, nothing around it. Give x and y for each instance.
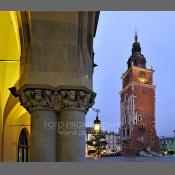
(98, 142)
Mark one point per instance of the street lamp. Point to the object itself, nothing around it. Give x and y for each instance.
(97, 122)
(97, 126)
(98, 137)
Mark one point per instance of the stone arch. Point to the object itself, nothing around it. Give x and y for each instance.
(17, 119)
(25, 39)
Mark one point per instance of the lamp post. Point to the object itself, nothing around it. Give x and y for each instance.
(97, 122)
(98, 137)
(97, 129)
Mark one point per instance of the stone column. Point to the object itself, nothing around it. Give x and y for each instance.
(71, 127)
(72, 134)
(43, 136)
(38, 102)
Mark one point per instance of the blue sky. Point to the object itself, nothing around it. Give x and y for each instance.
(112, 46)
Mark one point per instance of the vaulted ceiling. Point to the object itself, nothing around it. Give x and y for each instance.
(9, 55)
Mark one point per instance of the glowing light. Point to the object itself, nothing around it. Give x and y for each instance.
(142, 80)
(97, 127)
(142, 76)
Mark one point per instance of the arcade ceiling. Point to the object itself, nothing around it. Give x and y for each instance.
(9, 55)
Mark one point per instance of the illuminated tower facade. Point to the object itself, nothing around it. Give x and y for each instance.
(138, 105)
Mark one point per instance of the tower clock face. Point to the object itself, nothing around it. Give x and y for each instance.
(142, 76)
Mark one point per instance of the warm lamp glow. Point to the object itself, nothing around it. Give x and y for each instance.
(97, 127)
(142, 76)
(142, 80)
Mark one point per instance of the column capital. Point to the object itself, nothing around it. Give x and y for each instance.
(59, 98)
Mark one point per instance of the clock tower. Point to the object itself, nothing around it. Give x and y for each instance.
(137, 105)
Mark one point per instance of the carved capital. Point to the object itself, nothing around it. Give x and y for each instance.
(59, 98)
(77, 98)
(35, 98)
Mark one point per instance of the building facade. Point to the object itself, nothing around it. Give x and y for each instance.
(167, 145)
(47, 61)
(113, 141)
(137, 105)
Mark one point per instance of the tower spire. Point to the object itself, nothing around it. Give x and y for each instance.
(136, 45)
(136, 58)
(136, 35)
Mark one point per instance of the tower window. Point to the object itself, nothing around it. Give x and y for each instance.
(128, 132)
(126, 97)
(139, 117)
(123, 132)
(23, 147)
(142, 126)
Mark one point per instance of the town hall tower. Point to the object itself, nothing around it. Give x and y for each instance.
(138, 105)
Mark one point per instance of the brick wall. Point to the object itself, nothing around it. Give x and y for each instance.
(142, 126)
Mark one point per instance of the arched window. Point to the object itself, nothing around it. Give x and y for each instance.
(23, 147)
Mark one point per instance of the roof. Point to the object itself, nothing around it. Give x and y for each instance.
(89, 130)
(167, 138)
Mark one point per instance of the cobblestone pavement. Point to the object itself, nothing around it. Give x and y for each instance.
(133, 159)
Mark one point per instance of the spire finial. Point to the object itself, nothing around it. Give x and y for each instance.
(136, 35)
